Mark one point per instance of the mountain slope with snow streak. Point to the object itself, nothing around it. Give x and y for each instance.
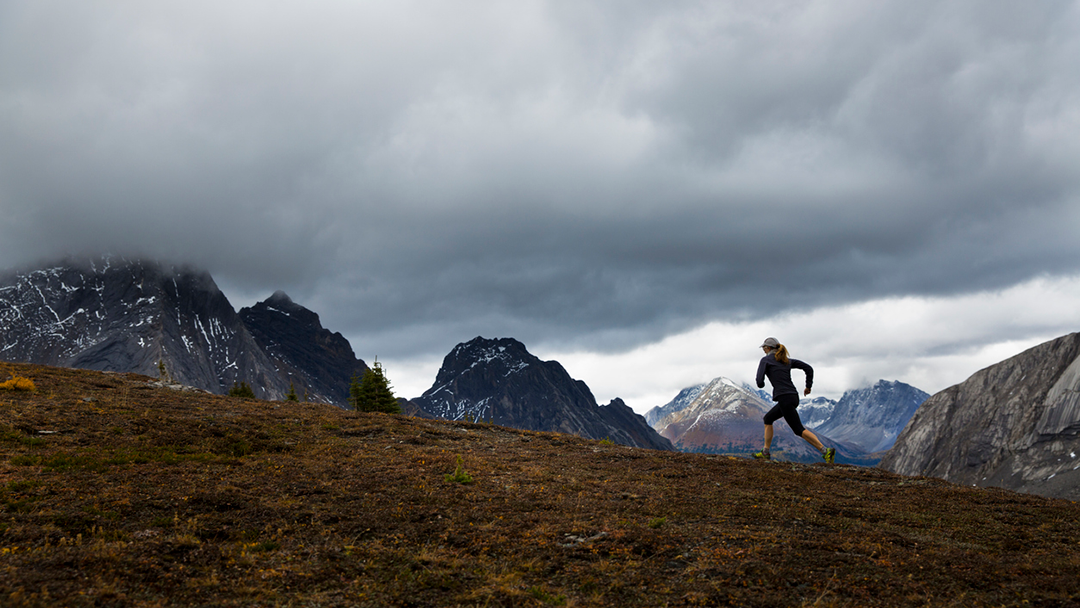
(114, 314)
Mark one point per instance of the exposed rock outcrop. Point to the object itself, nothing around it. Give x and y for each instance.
(1015, 425)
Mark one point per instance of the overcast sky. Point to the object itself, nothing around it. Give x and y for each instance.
(641, 190)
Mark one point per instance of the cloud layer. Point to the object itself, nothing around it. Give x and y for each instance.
(585, 176)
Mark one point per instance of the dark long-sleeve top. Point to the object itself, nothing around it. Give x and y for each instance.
(780, 375)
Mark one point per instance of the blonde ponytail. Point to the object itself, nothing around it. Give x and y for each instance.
(782, 354)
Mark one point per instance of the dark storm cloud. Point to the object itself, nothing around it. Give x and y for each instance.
(600, 173)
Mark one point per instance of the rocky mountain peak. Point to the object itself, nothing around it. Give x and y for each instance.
(279, 297)
(280, 308)
(500, 353)
(501, 381)
(871, 418)
(681, 401)
(281, 302)
(305, 354)
(493, 356)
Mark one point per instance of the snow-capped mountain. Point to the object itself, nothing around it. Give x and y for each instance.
(723, 416)
(1015, 425)
(112, 314)
(871, 418)
(815, 412)
(498, 380)
(681, 401)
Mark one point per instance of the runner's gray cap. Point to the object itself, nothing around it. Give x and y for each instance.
(770, 342)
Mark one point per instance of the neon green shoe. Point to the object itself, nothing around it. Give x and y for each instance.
(763, 455)
(829, 455)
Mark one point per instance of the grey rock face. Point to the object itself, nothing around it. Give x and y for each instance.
(500, 381)
(817, 411)
(1014, 425)
(870, 419)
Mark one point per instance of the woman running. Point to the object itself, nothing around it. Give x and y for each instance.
(776, 364)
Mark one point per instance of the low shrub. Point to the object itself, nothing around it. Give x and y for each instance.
(18, 383)
(460, 475)
(242, 390)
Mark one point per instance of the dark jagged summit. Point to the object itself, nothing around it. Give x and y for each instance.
(305, 354)
(499, 380)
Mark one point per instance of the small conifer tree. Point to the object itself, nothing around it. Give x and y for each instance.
(291, 395)
(163, 373)
(373, 393)
(241, 390)
(354, 393)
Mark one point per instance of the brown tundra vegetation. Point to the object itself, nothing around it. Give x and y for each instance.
(115, 492)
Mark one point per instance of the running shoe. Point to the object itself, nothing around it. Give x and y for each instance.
(763, 455)
(829, 455)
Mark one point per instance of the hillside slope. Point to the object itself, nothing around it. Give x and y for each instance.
(115, 492)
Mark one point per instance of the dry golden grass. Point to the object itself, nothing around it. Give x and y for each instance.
(114, 493)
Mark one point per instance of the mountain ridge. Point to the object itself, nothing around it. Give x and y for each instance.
(872, 417)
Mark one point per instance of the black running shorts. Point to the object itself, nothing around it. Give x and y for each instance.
(786, 408)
